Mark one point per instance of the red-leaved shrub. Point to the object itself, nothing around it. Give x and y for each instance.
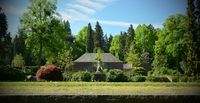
(50, 73)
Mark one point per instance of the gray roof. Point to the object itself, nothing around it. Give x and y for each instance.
(91, 57)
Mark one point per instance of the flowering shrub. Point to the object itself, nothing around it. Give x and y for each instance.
(50, 73)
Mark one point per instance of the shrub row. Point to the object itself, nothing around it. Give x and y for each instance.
(82, 76)
(116, 75)
(11, 74)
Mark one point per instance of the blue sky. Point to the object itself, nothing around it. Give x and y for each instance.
(114, 15)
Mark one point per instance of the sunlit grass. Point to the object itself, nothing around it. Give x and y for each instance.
(99, 88)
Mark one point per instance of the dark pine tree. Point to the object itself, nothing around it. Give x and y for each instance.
(69, 37)
(5, 40)
(98, 38)
(191, 53)
(105, 44)
(89, 40)
(15, 45)
(109, 41)
(122, 52)
(129, 38)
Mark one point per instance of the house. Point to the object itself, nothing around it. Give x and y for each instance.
(88, 61)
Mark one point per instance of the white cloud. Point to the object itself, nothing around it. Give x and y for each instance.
(75, 13)
(72, 15)
(65, 16)
(105, 1)
(82, 8)
(113, 23)
(91, 3)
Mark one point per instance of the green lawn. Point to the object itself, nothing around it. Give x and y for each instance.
(99, 88)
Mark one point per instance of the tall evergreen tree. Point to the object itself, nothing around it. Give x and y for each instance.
(89, 40)
(123, 44)
(109, 41)
(5, 40)
(192, 41)
(69, 37)
(129, 40)
(67, 27)
(15, 45)
(130, 36)
(105, 44)
(98, 37)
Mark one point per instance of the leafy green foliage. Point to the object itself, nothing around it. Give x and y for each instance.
(165, 71)
(99, 76)
(67, 76)
(139, 71)
(171, 43)
(144, 40)
(79, 47)
(138, 78)
(99, 55)
(82, 76)
(18, 61)
(116, 75)
(133, 59)
(157, 79)
(47, 35)
(115, 46)
(65, 60)
(31, 70)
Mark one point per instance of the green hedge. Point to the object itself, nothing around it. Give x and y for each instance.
(31, 70)
(157, 79)
(138, 78)
(10, 74)
(139, 71)
(67, 76)
(116, 75)
(82, 76)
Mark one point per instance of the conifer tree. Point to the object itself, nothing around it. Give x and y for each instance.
(192, 40)
(89, 40)
(130, 36)
(5, 40)
(98, 37)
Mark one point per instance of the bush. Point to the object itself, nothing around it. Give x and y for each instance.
(67, 76)
(165, 71)
(116, 75)
(139, 71)
(99, 76)
(10, 74)
(138, 78)
(50, 73)
(31, 70)
(185, 78)
(157, 79)
(18, 61)
(82, 76)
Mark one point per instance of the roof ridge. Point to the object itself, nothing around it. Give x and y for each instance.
(91, 57)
